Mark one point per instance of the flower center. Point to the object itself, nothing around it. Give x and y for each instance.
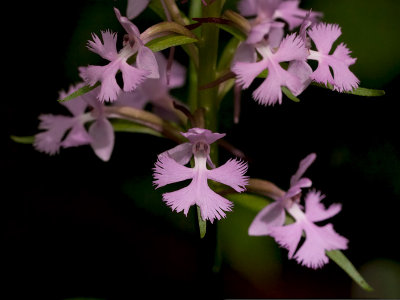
(201, 148)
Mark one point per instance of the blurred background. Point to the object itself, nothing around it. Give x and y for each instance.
(74, 226)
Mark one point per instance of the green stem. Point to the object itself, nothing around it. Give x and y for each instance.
(207, 72)
(194, 12)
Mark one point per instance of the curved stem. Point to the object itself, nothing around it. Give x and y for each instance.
(147, 119)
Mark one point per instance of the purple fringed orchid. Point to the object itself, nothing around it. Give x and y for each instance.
(69, 131)
(324, 35)
(270, 221)
(291, 48)
(132, 76)
(167, 170)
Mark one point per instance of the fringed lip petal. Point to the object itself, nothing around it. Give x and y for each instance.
(318, 240)
(316, 211)
(107, 49)
(288, 236)
(231, 173)
(324, 35)
(167, 171)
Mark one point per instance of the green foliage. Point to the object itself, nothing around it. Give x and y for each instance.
(23, 139)
(128, 126)
(202, 223)
(83, 90)
(289, 94)
(360, 91)
(341, 260)
(168, 41)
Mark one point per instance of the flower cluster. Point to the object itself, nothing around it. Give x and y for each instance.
(285, 58)
(147, 77)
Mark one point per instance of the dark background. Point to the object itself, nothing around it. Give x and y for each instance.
(74, 226)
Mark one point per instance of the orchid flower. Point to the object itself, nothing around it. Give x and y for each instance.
(132, 76)
(69, 131)
(212, 206)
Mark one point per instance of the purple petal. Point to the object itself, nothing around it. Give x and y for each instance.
(76, 107)
(109, 89)
(318, 241)
(231, 173)
(303, 166)
(269, 217)
(55, 128)
(322, 74)
(293, 15)
(275, 34)
(344, 79)
(247, 72)
(177, 75)
(78, 136)
(324, 35)
(135, 7)
(288, 236)
(212, 205)
(180, 200)
(247, 8)
(195, 135)
(108, 49)
(147, 61)
(167, 171)
(135, 99)
(269, 92)
(303, 71)
(245, 53)
(291, 48)
(316, 211)
(102, 134)
(258, 32)
(295, 189)
(129, 27)
(132, 76)
(181, 153)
